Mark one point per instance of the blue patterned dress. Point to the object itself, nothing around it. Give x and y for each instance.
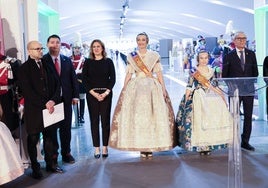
(203, 121)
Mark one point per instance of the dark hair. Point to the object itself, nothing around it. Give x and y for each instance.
(53, 36)
(92, 55)
(144, 34)
(201, 52)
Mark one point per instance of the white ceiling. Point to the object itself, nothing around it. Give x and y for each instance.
(160, 19)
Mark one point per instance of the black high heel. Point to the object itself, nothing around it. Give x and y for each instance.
(97, 156)
(105, 155)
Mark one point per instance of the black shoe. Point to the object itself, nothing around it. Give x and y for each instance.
(81, 120)
(97, 156)
(105, 155)
(143, 154)
(247, 146)
(55, 169)
(201, 153)
(68, 158)
(205, 152)
(37, 174)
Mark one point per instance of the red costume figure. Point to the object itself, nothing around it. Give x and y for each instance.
(78, 62)
(8, 97)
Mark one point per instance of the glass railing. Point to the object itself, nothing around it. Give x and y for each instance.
(232, 89)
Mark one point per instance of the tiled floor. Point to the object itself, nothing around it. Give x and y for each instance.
(175, 168)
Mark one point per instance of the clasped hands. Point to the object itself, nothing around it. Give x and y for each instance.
(98, 96)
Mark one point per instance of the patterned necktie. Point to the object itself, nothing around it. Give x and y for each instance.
(242, 60)
(57, 65)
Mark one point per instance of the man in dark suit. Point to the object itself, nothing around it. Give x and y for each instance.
(265, 74)
(241, 62)
(63, 69)
(41, 90)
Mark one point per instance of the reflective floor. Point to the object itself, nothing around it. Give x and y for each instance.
(175, 168)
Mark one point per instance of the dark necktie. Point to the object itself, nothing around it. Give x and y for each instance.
(41, 67)
(57, 65)
(242, 60)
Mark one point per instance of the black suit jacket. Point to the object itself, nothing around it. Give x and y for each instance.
(68, 79)
(265, 67)
(232, 69)
(37, 90)
(265, 74)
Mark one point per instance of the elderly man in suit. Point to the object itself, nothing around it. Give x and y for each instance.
(241, 62)
(41, 90)
(63, 69)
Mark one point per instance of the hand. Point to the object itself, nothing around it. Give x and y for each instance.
(75, 101)
(21, 110)
(50, 106)
(96, 95)
(78, 71)
(100, 97)
(103, 95)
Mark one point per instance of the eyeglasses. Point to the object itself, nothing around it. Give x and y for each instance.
(38, 49)
(241, 38)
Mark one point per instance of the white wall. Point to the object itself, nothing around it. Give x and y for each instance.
(17, 15)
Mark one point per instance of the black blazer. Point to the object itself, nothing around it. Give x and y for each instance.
(68, 79)
(232, 68)
(37, 90)
(265, 67)
(265, 74)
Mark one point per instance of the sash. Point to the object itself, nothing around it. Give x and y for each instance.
(200, 78)
(204, 82)
(79, 64)
(140, 63)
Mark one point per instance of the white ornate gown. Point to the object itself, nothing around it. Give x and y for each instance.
(11, 165)
(143, 120)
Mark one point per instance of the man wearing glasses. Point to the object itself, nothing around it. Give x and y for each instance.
(241, 62)
(41, 90)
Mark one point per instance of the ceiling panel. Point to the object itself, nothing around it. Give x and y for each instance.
(172, 19)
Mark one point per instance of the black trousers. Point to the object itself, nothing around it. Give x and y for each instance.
(99, 111)
(49, 147)
(247, 102)
(65, 134)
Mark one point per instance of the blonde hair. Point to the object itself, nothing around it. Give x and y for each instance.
(144, 34)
